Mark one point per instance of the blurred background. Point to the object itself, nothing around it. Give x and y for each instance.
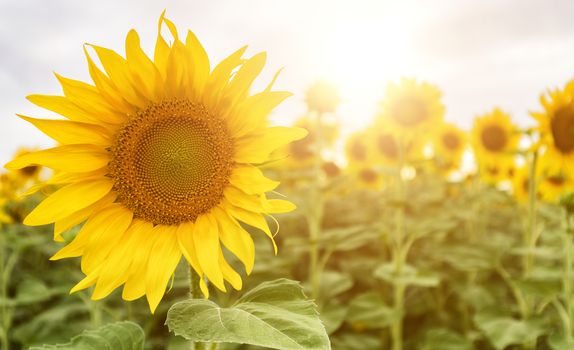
(479, 53)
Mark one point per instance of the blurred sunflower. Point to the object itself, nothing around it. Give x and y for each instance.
(4, 217)
(357, 150)
(553, 186)
(301, 153)
(322, 97)
(386, 146)
(449, 144)
(556, 125)
(29, 173)
(494, 139)
(159, 158)
(411, 109)
(367, 177)
(520, 183)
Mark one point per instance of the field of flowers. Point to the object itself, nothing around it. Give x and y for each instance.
(171, 215)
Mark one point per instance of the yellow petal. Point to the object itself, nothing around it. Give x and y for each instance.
(251, 180)
(115, 269)
(206, 239)
(87, 282)
(64, 107)
(242, 80)
(277, 206)
(220, 77)
(69, 158)
(250, 218)
(162, 263)
(236, 239)
(106, 87)
(199, 62)
(106, 236)
(79, 216)
(68, 200)
(257, 146)
(88, 98)
(144, 73)
(71, 132)
(117, 70)
(229, 273)
(187, 246)
(135, 286)
(251, 114)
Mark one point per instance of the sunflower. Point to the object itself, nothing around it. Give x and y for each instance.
(322, 97)
(365, 176)
(29, 173)
(520, 183)
(357, 150)
(386, 147)
(159, 159)
(554, 186)
(494, 139)
(556, 124)
(411, 109)
(449, 144)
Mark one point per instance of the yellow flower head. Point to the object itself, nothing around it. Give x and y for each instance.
(366, 177)
(556, 124)
(29, 173)
(387, 146)
(520, 183)
(322, 97)
(411, 109)
(494, 139)
(449, 144)
(159, 158)
(553, 185)
(357, 149)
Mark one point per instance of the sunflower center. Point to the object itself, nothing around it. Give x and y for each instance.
(494, 138)
(30, 171)
(409, 111)
(171, 162)
(387, 146)
(556, 180)
(358, 151)
(562, 126)
(450, 141)
(368, 175)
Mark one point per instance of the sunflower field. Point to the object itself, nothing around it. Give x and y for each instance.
(171, 212)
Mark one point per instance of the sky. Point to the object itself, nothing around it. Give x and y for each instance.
(480, 53)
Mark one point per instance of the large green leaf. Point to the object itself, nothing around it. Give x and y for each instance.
(275, 314)
(114, 336)
(503, 331)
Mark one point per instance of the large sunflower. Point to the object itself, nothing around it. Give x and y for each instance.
(494, 140)
(411, 109)
(556, 124)
(159, 158)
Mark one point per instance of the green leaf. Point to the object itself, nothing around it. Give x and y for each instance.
(369, 311)
(333, 314)
(334, 283)
(503, 331)
(558, 341)
(445, 339)
(114, 336)
(408, 276)
(274, 314)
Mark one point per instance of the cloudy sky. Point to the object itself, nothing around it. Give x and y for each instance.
(481, 53)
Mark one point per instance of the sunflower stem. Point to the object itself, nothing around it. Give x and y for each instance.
(3, 295)
(530, 236)
(316, 213)
(400, 252)
(567, 277)
(195, 293)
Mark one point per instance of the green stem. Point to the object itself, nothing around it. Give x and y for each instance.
(400, 252)
(567, 277)
(316, 210)
(4, 295)
(195, 293)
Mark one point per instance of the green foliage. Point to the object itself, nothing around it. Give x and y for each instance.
(275, 314)
(113, 336)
